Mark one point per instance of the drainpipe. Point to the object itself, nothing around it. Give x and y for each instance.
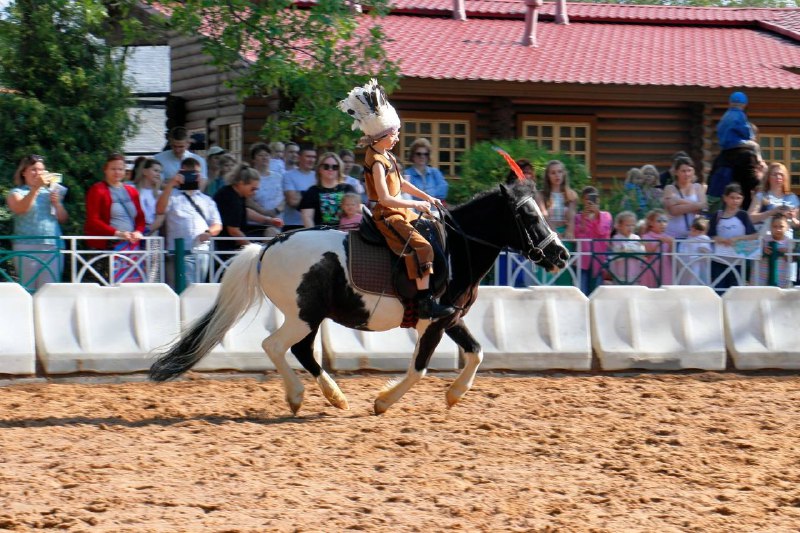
(561, 12)
(459, 11)
(531, 18)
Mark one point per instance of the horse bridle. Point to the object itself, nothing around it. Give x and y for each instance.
(535, 252)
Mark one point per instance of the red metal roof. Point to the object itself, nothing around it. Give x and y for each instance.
(605, 44)
(592, 11)
(593, 53)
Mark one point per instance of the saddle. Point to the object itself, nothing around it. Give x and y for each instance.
(375, 269)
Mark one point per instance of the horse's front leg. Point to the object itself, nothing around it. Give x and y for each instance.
(429, 338)
(473, 355)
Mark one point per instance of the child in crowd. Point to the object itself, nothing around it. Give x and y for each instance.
(557, 199)
(658, 268)
(651, 177)
(728, 227)
(351, 212)
(694, 255)
(592, 229)
(779, 229)
(634, 194)
(626, 270)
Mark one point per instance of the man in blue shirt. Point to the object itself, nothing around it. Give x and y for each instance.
(739, 160)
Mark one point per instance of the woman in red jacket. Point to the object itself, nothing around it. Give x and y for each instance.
(113, 210)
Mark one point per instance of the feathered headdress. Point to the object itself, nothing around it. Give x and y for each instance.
(371, 111)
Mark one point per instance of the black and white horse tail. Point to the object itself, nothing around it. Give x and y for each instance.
(239, 290)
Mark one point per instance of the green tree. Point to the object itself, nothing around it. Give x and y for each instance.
(312, 54)
(64, 94)
(483, 168)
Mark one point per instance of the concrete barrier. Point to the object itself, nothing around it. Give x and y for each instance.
(391, 351)
(671, 328)
(82, 327)
(240, 349)
(762, 327)
(537, 328)
(17, 337)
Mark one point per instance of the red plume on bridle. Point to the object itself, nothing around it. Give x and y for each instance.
(513, 164)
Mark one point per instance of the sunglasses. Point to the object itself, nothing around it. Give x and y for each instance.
(35, 158)
(423, 154)
(326, 166)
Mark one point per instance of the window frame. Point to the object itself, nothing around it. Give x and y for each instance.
(557, 121)
(787, 135)
(436, 118)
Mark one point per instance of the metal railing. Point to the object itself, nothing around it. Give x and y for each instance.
(70, 260)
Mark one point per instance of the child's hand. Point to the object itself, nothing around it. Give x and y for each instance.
(422, 205)
(768, 250)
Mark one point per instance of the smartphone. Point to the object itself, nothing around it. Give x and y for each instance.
(592, 197)
(191, 181)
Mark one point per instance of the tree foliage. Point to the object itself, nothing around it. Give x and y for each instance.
(483, 168)
(313, 54)
(64, 93)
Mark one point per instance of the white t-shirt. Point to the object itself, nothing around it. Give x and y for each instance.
(296, 180)
(184, 221)
(270, 191)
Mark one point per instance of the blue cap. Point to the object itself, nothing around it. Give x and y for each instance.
(738, 98)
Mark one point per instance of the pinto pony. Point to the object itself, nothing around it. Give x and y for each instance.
(305, 275)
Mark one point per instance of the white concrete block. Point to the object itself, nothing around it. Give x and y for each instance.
(762, 327)
(83, 327)
(391, 351)
(538, 328)
(670, 328)
(240, 349)
(17, 337)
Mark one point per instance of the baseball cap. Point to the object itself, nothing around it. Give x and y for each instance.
(738, 98)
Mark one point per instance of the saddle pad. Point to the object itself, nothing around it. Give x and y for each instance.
(370, 266)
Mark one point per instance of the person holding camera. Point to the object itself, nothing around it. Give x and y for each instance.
(592, 229)
(775, 197)
(36, 203)
(192, 216)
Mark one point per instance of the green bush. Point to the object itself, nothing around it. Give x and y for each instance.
(483, 168)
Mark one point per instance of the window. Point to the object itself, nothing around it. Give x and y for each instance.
(571, 138)
(230, 138)
(782, 148)
(450, 139)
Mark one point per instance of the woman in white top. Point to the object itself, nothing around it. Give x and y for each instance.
(775, 197)
(147, 180)
(683, 200)
(557, 200)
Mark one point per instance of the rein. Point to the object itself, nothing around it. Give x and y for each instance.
(524, 235)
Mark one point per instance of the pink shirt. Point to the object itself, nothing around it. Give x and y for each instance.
(594, 228)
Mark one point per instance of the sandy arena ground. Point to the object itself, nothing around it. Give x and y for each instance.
(660, 452)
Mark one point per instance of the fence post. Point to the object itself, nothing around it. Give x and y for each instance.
(180, 268)
(772, 276)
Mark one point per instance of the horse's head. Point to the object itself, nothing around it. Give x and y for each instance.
(532, 235)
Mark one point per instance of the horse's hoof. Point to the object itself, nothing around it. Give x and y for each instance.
(451, 398)
(380, 407)
(294, 406)
(339, 401)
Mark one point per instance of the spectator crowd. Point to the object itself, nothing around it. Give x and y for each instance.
(283, 186)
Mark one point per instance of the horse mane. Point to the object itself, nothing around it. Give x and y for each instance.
(519, 189)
